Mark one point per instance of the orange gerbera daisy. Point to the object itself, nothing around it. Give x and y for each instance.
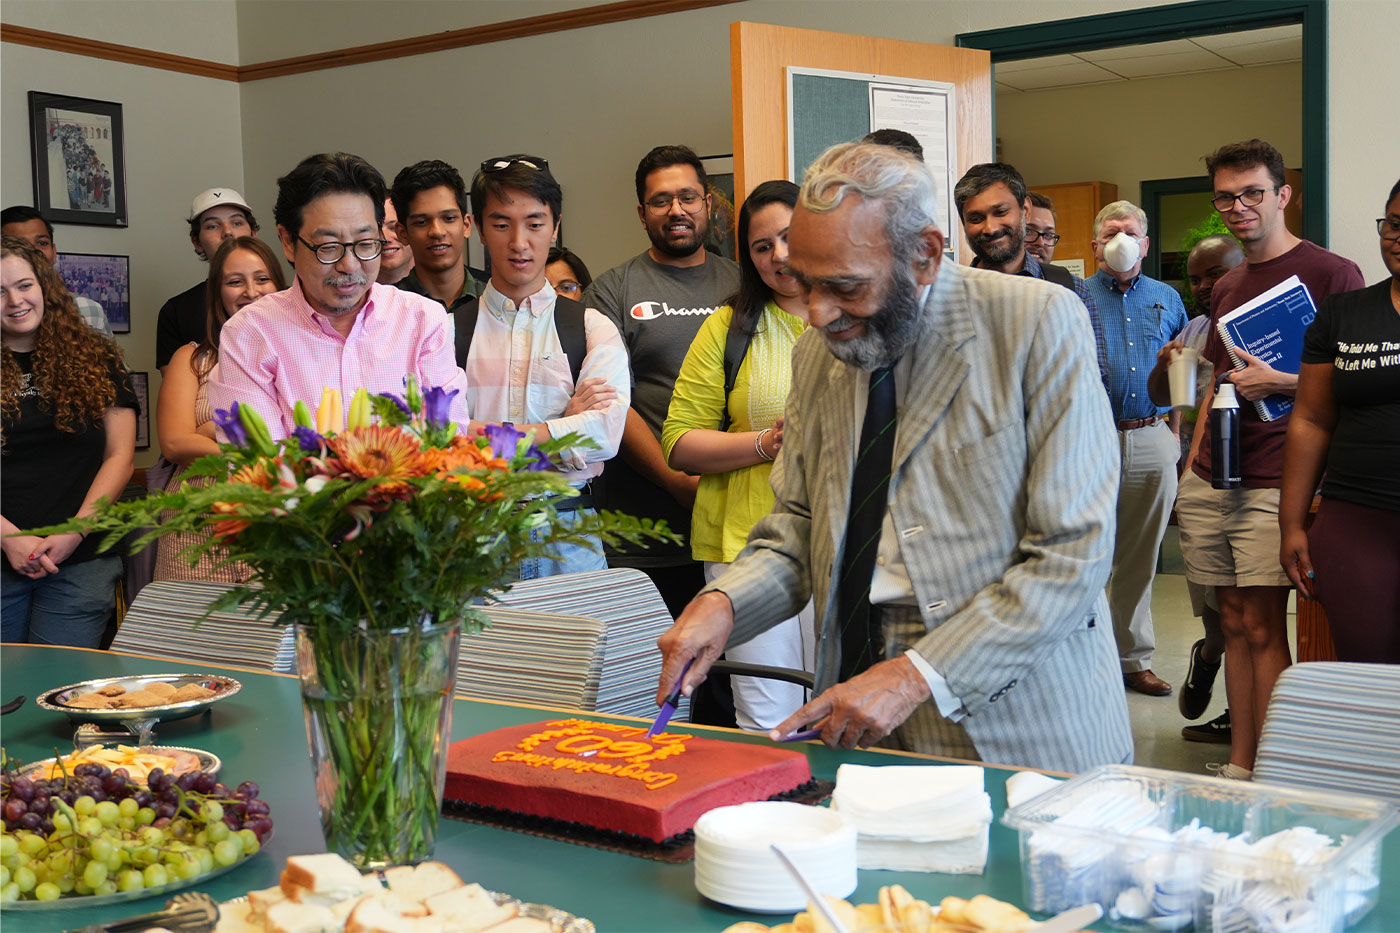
(381, 453)
(455, 461)
(255, 474)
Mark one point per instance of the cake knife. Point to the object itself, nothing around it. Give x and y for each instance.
(813, 898)
(668, 709)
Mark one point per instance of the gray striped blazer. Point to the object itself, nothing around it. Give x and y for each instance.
(1003, 494)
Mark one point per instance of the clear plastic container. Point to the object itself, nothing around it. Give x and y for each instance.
(1139, 841)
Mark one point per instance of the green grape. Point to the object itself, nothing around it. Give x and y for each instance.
(156, 875)
(101, 849)
(61, 821)
(145, 816)
(61, 861)
(227, 851)
(126, 823)
(9, 846)
(152, 836)
(9, 893)
(84, 805)
(107, 887)
(201, 838)
(212, 811)
(90, 826)
(5, 874)
(145, 855)
(48, 891)
(94, 874)
(206, 859)
(80, 888)
(65, 883)
(250, 841)
(32, 844)
(130, 880)
(189, 866)
(218, 832)
(24, 877)
(128, 807)
(107, 812)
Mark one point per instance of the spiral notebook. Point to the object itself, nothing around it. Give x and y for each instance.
(1271, 326)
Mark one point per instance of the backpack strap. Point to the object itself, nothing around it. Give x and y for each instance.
(464, 320)
(568, 324)
(736, 347)
(1057, 274)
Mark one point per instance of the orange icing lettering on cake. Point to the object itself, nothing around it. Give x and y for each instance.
(599, 754)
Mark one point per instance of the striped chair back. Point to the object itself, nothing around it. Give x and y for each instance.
(1334, 726)
(525, 656)
(629, 605)
(164, 620)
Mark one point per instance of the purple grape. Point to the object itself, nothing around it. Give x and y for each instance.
(86, 768)
(39, 806)
(165, 810)
(204, 783)
(114, 783)
(144, 798)
(161, 822)
(156, 780)
(247, 790)
(30, 821)
(171, 794)
(220, 790)
(14, 809)
(261, 827)
(46, 827)
(234, 821)
(258, 808)
(186, 780)
(23, 788)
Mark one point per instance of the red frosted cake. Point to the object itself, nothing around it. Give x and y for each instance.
(613, 778)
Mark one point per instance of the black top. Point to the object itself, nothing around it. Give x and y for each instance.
(1359, 334)
(182, 320)
(47, 472)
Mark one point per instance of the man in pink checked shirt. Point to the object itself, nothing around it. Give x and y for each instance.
(513, 346)
(335, 327)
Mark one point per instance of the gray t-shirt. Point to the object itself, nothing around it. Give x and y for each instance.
(658, 310)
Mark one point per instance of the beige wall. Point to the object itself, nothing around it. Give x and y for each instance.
(183, 134)
(1150, 128)
(206, 29)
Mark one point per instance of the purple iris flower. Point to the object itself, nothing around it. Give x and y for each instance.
(311, 442)
(437, 406)
(232, 423)
(403, 406)
(504, 440)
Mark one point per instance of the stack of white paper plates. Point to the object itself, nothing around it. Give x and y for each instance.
(735, 864)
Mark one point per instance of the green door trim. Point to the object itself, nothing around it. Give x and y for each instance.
(1182, 21)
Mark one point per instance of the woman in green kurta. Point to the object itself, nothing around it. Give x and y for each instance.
(734, 454)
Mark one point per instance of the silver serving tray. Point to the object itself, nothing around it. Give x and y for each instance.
(207, 762)
(223, 687)
(559, 921)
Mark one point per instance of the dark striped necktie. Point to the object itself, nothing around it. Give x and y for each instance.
(861, 641)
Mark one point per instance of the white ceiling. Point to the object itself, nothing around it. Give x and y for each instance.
(1154, 60)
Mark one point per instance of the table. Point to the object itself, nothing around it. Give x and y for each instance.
(260, 735)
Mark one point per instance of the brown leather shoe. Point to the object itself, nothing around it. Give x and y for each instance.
(1148, 683)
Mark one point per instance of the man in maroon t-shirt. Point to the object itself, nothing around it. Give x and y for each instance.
(1230, 537)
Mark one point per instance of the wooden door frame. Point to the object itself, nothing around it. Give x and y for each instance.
(1182, 21)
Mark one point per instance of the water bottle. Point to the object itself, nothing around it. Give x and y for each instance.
(1225, 438)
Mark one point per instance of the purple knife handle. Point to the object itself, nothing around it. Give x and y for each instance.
(668, 708)
(803, 736)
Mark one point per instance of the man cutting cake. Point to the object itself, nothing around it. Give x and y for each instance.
(945, 493)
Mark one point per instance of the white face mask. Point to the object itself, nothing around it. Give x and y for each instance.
(1121, 253)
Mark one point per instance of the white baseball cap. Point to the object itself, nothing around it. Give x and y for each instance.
(216, 197)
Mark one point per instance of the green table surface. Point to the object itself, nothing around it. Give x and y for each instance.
(261, 736)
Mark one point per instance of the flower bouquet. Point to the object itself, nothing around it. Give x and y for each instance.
(374, 540)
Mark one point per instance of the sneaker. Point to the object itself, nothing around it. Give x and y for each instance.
(1194, 697)
(1216, 731)
(1230, 771)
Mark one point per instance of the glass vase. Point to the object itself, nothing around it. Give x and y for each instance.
(378, 707)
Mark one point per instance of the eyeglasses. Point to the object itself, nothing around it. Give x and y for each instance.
(1249, 197)
(1050, 239)
(491, 166)
(1387, 228)
(331, 253)
(690, 202)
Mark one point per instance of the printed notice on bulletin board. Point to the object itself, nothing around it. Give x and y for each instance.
(828, 107)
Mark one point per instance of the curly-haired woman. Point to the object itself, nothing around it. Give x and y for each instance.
(69, 438)
(241, 271)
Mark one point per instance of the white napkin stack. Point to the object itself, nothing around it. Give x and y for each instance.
(916, 817)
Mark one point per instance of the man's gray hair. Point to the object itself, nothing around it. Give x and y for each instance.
(903, 184)
(1120, 210)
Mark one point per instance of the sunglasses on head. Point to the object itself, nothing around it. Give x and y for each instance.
(505, 162)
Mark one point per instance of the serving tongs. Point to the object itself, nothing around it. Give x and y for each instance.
(192, 912)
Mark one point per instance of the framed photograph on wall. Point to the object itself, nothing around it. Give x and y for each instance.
(104, 279)
(141, 382)
(78, 149)
(724, 210)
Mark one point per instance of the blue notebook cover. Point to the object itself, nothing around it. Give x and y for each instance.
(1271, 326)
